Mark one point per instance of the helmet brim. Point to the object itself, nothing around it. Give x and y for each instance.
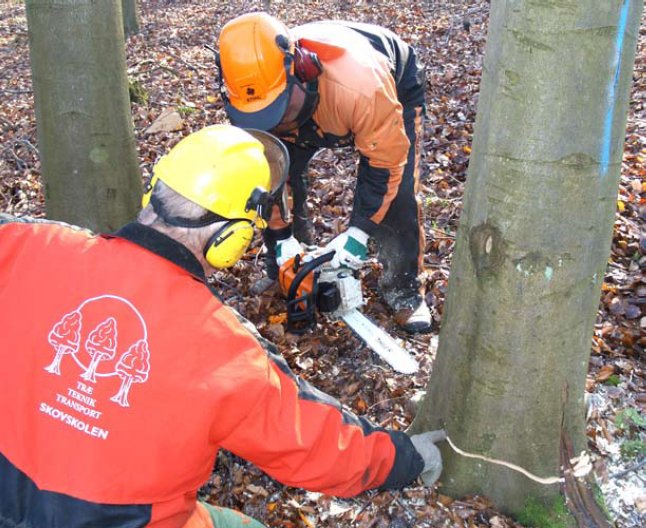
(264, 119)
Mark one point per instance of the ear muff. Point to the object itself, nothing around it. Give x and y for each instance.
(227, 245)
(307, 65)
(148, 191)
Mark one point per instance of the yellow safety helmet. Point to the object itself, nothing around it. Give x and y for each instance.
(256, 62)
(234, 174)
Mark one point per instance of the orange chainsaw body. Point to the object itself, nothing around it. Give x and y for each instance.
(287, 274)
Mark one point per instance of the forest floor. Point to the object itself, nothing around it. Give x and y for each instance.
(170, 62)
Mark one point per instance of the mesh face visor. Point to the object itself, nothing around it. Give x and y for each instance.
(308, 106)
(278, 159)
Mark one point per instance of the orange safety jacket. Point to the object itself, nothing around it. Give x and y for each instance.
(123, 375)
(368, 73)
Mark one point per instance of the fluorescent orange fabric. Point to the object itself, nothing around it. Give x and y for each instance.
(358, 96)
(123, 375)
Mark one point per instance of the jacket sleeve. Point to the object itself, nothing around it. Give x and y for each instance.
(6, 218)
(302, 437)
(380, 136)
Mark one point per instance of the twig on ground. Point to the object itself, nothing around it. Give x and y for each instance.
(182, 61)
(19, 161)
(27, 144)
(6, 91)
(620, 474)
(361, 510)
(407, 510)
(443, 233)
(160, 67)
(386, 400)
(214, 280)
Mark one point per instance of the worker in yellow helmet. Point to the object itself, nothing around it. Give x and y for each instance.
(235, 184)
(338, 84)
(123, 374)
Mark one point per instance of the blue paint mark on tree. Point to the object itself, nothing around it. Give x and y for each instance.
(606, 145)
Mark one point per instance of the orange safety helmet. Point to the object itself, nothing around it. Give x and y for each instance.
(257, 66)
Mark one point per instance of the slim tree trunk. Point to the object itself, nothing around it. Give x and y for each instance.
(85, 133)
(533, 243)
(130, 14)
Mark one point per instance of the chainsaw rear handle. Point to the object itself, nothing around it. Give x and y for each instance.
(299, 320)
(304, 269)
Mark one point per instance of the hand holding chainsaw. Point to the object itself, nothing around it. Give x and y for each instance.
(286, 249)
(351, 248)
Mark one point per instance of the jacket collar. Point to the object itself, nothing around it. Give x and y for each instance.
(162, 245)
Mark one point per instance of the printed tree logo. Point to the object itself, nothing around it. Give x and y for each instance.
(101, 344)
(133, 367)
(64, 337)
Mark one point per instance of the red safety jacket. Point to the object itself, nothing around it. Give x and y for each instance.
(122, 376)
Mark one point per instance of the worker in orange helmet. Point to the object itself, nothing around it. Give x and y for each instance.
(337, 84)
(122, 374)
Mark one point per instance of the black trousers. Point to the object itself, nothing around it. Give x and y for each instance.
(400, 236)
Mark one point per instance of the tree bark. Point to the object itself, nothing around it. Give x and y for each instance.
(85, 133)
(130, 12)
(533, 243)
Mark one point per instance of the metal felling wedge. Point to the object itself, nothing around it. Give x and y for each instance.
(381, 342)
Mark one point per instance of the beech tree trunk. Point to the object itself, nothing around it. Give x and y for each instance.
(85, 133)
(532, 245)
(130, 12)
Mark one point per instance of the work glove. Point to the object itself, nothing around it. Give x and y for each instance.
(286, 249)
(351, 248)
(425, 445)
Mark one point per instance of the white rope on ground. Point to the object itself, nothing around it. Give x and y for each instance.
(581, 465)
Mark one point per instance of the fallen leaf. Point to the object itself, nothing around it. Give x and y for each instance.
(605, 373)
(275, 330)
(445, 500)
(632, 311)
(280, 318)
(360, 405)
(305, 519)
(617, 306)
(168, 121)
(257, 490)
(304, 363)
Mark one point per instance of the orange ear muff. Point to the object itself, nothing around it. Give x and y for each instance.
(227, 245)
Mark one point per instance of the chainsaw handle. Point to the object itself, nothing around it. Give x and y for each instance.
(304, 270)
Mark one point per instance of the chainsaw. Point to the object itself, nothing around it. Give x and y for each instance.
(311, 285)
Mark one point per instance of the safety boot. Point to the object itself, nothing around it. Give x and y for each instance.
(303, 230)
(262, 285)
(414, 321)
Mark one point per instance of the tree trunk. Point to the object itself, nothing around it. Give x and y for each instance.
(130, 14)
(533, 243)
(85, 133)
